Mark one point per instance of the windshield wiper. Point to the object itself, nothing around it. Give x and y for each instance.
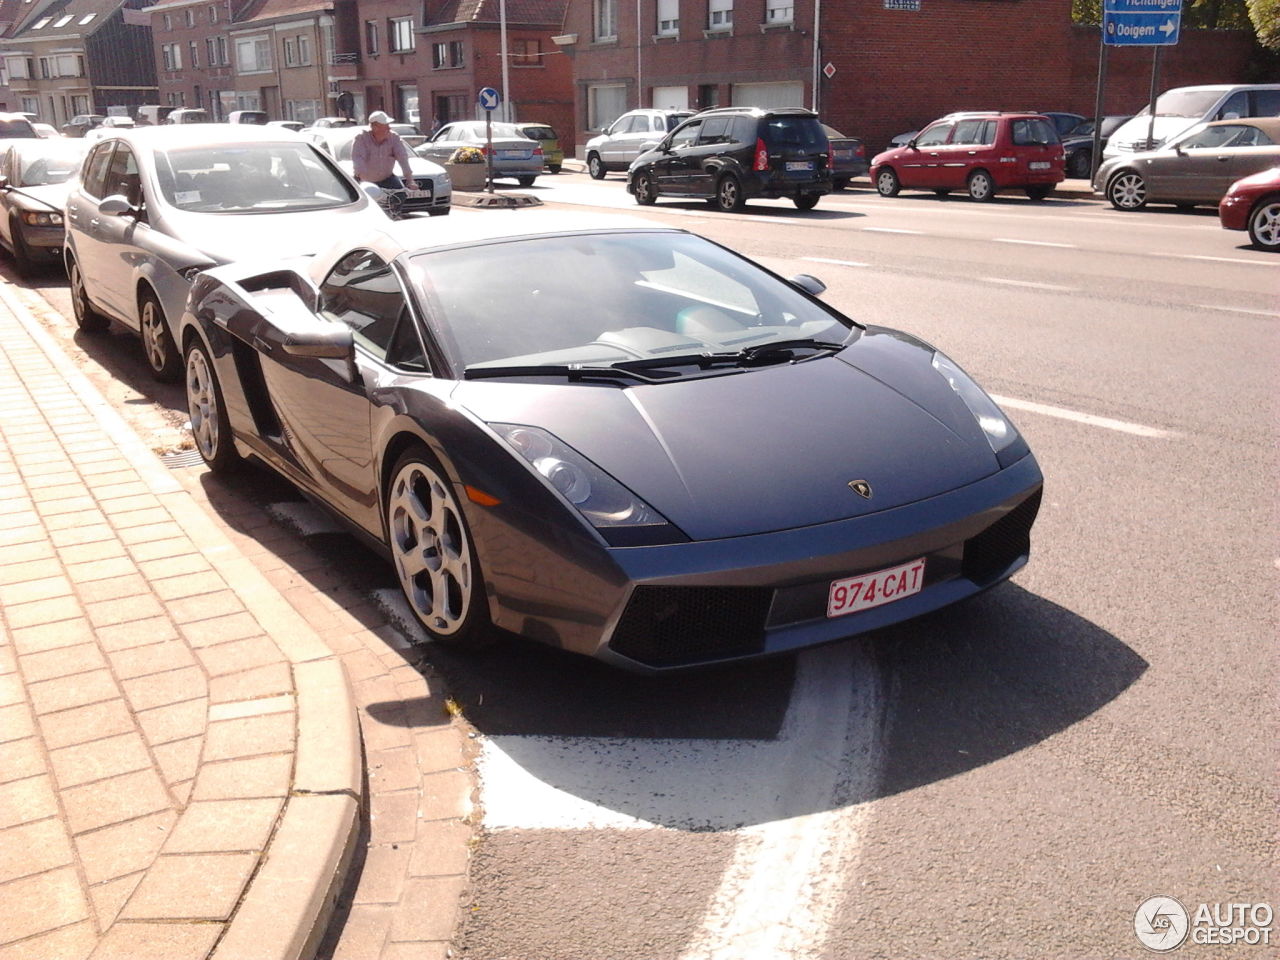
(572, 371)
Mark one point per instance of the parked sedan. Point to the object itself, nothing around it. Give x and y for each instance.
(848, 158)
(548, 139)
(1195, 168)
(595, 479)
(434, 190)
(514, 155)
(155, 205)
(34, 180)
(81, 124)
(1253, 203)
(1077, 144)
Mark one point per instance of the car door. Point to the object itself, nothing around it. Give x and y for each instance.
(325, 410)
(966, 151)
(921, 165)
(84, 223)
(119, 236)
(674, 168)
(616, 151)
(442, 145)
(1194, 167)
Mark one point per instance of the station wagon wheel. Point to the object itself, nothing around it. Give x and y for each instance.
(806, 201)
(208, 414)
(1040, 191)
(729, 196)
(646, 189)
(87, 318)
(431, 547)
(1264, 224)
(595, 167)
(1127, 191)
(157, 342)
(887, 183)
(981, 187)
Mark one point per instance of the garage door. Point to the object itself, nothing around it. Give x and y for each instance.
(768, 95)
(671, 98)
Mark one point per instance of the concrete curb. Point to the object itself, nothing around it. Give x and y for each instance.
(284, 908)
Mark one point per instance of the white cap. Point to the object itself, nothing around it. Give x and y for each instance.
(379, 116)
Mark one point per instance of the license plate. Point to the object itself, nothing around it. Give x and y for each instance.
(512, 154)
(842, 154)
(800, 165)
(417, 194)
(875, 589)
(1038, 165)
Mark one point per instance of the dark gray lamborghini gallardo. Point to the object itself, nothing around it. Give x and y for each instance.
(611, 436)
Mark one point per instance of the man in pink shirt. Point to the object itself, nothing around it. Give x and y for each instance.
(375, 153)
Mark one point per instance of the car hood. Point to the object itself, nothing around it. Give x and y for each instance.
(767, 449)
(51, 195)
(226, 237)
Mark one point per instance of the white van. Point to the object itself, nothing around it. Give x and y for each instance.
(1181, 108)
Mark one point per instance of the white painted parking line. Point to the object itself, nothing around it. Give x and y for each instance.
(914, 233)
(1028, 283)
(1035, 243)
(838, 263)
(1249, 313)
(1062, 413)
(1195, 256)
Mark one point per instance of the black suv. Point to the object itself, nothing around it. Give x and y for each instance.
(732, 154)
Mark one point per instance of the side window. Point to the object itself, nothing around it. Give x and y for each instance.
(968, 132)
(363, 292)
(1237, 106)
(1266, 103)
(122, 176)
(687, 134)
(1034, 133)
(744, 130)
(934, 136)
(715, 130)
(1213, 137)
(94, 180)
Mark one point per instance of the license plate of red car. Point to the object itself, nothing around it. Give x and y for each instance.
(868, 590)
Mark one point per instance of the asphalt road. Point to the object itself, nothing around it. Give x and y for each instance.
(1010, 778)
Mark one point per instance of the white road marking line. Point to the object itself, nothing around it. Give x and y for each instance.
(1035, 243)
(1195, 256)
(1251, 313)
(1123, 426)
(838, 263)
(914, 233)
(1028, 283)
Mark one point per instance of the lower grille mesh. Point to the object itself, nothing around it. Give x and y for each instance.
(990, 553)
(670, 626)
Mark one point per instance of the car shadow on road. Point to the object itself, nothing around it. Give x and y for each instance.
(961, 689)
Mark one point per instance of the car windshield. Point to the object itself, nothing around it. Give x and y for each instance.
(600, 299)
(1183, 103)
(10, 129)
(56, 163)
(250, 178)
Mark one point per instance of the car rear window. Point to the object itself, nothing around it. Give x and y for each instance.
(802, 132)
(1034, 132)
(13, 129)
(675, 119)
(539, 133)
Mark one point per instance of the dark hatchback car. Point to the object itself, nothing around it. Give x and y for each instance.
(1077, 144)
(848, 157)
(734, 154)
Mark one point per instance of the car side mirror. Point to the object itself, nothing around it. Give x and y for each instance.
(115, 205)
(912, 144)
(809, 284)
(327, 341)
(4, 183)
(1177, 148)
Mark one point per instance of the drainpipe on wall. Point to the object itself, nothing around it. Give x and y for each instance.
(639, 69)
(506, 80)
(817, 51)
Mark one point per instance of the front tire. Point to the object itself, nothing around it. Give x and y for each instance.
(432, 551)
(887, 182)
(729, 198)
(1127, 191)
(157, 342)
(87, 318)
(525, 181)
(1080, 165)
(806, 201)
(982, 188)
(1264, 225)
(595, 167)
(209, 424)
(646, 190)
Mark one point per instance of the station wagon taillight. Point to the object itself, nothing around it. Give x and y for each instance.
(762, 156)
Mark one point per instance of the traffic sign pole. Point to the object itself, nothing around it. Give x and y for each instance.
(489, 99)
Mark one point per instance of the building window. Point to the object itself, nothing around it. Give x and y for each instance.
(63, 21)
(526, 53)
(253, 55)
(371, 37)
(30, 104)
(191, 17)
(304, 110)
(605, 104)
(446, 55)
(213, 13)
(668, 18)
(79, 103)
(45, 72)
(719, 14)
(18, 68)
(606, 19)
(290, 52)
(172, 55)
(86, 19)
(168, 22)
(400, 34)
(193, 49)
(779, 12)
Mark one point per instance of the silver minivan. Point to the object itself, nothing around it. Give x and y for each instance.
(1181, 108)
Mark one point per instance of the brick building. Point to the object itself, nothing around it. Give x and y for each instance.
(871, 71)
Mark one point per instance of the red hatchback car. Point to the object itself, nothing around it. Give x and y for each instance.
(1253, 204)
(980, 153)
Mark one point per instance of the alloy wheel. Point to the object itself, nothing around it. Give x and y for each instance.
(202, 405)
(1264, 225)
(1128, 191)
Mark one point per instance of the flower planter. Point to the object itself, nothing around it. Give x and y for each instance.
(467, 176)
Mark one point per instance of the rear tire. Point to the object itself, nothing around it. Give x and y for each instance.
(1264, 225)
(887, 182)
(525, 181)
(806, 201)
(554, 167)
(87, 318)
(157, 343)
(595, 167)
(209, 424)
(982, 188)
(1040, 191)
(729, 198)
(431, 548)
(839, 184)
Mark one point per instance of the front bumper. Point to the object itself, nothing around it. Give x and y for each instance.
(44, 243)
(1233, 212)
(653, 609)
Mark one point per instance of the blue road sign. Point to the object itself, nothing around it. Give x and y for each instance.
(1141, 23)
(489, 98)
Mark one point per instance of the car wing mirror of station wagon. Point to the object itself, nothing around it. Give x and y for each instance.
(115, 205)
